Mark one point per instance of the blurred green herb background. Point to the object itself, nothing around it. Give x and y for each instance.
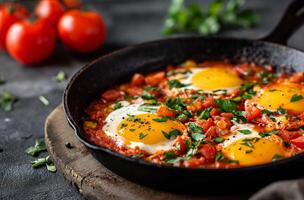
(220, 15)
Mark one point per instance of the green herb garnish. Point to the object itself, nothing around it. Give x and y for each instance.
(218, 140)
(117, 106)
(296, 97)
(142, 136)
(138, 156)
(40, 162)
(192, 18)
(266, 134)
(245, 131)
(176, 84)
(44, 100)
(219, 156)
(147, 108)
(7, 100)
(281, 111)
(162, 119)
(277, 157)
(61, 76)
(51, 167)
(205, 114)
(172, 134)
(37, 148)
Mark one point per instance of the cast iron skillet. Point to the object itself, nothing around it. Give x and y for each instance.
(119, 66)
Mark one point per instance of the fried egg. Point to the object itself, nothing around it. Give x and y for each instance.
(210, 79)
(132, 127)
(246, 146)
(287, 95)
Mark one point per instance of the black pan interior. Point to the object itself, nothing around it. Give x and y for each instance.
(117, 67)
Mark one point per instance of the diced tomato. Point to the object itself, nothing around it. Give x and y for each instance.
(134, 91)
(208, 151)
(223, 123)
(289, 135)
(252, 112)
(206, 124)
(111, 95)
(227, 115)
(297, 77)
(164, 111)
(155, 79)
(138, 79)
(194, 162)
(181, 144)
(211, 132)
(208, 102)
(298, 142)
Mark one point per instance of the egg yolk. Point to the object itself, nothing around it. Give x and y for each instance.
(214, 78)
(148, 128)
(283, 95)
(253, 151)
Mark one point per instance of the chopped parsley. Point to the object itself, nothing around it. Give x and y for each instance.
(44, 100)
(205, 114)
(266, 112)
(219, 156)
(147, 108)
(142, 136)
(61, 76)
(218, 140)
(170, 157)
(248, 142)
(281, 111)
(245, 131)
(176, 84)
(172, 134)
(162, 119)
(147, 95)
(37, 148)
(41, 162)
(277, 157)
(296, 97)
(7, 100)
(266, 134)
(117, 106)
(226, 105)
(137, 156)
(196, 132)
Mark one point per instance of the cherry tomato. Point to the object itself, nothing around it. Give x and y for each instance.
(9, 14)
(298, 142)
(50, 10)
(72, 3)
(82, 31)
(31, 42)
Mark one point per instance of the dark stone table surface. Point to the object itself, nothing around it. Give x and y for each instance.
(129, 22)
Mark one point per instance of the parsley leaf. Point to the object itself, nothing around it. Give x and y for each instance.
(172, 134)
(137, 156)
(205, 114)
(226, 105)
(7, 99)
(296, 97)
(277, 157)
(281, 111)
(61, 76)
(176, 84)
(266, 134)
(36, 149)
(218, 140)
(162, 119)
(142, 136)
(117, 106)
(245, 131)
(51, 167)
(219, 156)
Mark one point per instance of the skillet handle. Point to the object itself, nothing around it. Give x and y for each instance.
(292, 19)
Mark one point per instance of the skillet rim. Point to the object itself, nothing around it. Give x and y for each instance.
(87, 143)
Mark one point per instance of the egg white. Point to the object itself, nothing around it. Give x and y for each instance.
(114, 119)
(236, 135)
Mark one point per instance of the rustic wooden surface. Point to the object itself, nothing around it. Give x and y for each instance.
(91, 178)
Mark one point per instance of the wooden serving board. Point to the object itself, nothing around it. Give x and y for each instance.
(92, 179)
